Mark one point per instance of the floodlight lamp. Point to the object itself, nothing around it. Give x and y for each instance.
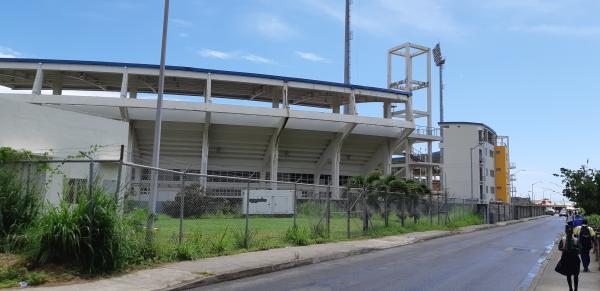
(437, 55)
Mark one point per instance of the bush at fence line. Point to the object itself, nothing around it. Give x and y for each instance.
(20, 197)
(92, 238)
(197, 203)
(220, 245)
(242, 240)
(297, 236)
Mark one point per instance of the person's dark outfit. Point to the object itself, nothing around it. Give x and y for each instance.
(585, 234)
(569, 263)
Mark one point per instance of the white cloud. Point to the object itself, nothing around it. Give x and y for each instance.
(6, 52)
(256, 59)
(208, 53)
(181, 22)
(312, 57)
(234, 55)
(272, 26)
(560, 30)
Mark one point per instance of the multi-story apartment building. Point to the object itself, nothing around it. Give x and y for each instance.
(476, 166)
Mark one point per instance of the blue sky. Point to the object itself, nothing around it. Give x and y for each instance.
(527, 68)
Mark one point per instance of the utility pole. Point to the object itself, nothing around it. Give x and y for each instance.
(158, 125)
(347, 37)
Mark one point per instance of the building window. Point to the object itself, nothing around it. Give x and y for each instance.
(491, 153)
(493, 190)
(492, 173)
(497, 152)
(487, 190)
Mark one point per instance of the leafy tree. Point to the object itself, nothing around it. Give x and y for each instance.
(582, 186)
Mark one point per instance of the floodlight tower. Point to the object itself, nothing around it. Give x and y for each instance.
(439, 62)
(407, 52)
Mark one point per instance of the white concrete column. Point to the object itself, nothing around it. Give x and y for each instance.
(124, 83)
(387, 109)
(38, 81)
(284, 96)
(352, 103)
(208, 89)
(205, 130)
(335, 167)
(408, 151)
(204, 157)
(274, 162)
(387, 160)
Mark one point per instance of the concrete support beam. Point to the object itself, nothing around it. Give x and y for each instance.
(38, 81)
(387, 109)
(275, 101)
(284, 96)
(271, 159)
(352, 103)
(208, 89)
(383, 155)
(204, 157)
(407, 154)
(124, 86)
(57, 85)
(336, 150)
(331, 149)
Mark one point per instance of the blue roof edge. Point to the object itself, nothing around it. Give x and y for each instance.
(202, 70)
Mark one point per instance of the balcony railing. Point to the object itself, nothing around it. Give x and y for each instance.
(424, 130)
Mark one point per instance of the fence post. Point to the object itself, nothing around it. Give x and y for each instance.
(348, 211)
(119, 173)
(403, 208)
(90, 190)
(430, 208)
(247, 214)
(365, 213)
(328, 217)
(446, 208)
(295, 198)
(181, 205)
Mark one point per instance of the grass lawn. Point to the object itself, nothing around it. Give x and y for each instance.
(269, 232)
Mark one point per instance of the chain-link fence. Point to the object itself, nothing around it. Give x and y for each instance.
(244, 211)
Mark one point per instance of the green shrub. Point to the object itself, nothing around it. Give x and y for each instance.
(186, 252)
(88, 235)
(318, 231)
(241, 241)
(19, 202)
(219, 246)
(297, 236)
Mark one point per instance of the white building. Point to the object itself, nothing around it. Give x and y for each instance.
(469, 160)
(215, 122)
(60, 133)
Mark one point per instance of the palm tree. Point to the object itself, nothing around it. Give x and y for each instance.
(366, 184)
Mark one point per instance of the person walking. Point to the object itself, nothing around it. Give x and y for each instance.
(569, 262)
(585, 234)
(570, 218)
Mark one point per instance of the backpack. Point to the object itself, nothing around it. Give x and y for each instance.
(585, 237)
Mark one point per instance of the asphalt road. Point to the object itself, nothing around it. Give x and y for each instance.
(505, 258)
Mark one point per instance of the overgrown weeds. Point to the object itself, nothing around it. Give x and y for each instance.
(297, 236)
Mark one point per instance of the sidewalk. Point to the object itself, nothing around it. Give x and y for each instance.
(549, 280)
(212, 270)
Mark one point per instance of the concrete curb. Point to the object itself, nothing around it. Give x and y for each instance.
(249, 272)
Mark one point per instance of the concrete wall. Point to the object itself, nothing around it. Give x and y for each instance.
(458, 142)
(40, 128)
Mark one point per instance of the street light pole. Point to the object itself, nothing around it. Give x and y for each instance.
(532, 194)
(158, 124)
(471, 156)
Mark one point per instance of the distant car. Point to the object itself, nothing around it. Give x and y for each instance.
(563, 212)
(550, 211)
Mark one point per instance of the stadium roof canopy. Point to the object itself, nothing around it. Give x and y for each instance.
(20, 74)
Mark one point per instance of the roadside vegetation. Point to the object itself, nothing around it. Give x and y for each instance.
(40, 242)
(582, 186)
